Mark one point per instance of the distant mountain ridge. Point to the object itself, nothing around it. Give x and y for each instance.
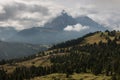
(10, 50)
(53, 32)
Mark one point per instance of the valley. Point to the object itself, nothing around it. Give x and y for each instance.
(83, 58)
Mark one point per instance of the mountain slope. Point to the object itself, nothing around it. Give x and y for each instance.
(16, 50)
(53, 32)
(62, 21)
(86, 21)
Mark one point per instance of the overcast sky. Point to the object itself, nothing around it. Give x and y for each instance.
(29, 13)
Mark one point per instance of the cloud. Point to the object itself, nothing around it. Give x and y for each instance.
(22, 14)
(77, 27)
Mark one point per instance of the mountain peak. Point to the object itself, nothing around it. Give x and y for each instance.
(61, 21)
(64, 12)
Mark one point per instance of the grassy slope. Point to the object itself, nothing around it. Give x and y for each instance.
(96, 38)
(44, 61)
(38, 61)
(82, 76)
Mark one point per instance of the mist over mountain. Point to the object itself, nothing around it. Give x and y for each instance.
(54, 31)
(7, 32)
(60, 22)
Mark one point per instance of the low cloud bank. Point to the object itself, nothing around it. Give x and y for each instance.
(77, 27)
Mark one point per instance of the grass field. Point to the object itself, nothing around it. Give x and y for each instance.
(82, 76)
(96, 38)
(38, 61)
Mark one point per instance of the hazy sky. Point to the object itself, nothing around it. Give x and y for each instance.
(28, 13)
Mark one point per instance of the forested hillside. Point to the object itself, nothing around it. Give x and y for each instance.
(96, 53)
(91, 38)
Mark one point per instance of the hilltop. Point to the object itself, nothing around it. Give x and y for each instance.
(91, 38)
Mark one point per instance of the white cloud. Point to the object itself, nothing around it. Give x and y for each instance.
(29, 13)
(21, 14)
(77, 27)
